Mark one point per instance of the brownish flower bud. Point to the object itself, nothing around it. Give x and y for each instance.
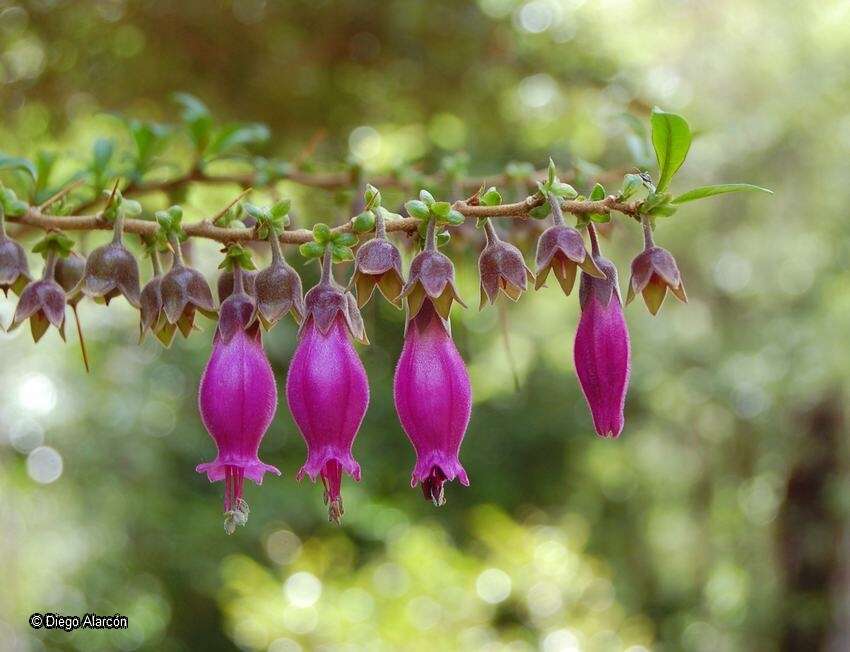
(69, 272)
(43, 303)
(432, 275)
(184, 290)
(14, 268)
(501, 267)
(111, 270)
(561, 249)
(654, 270)
(378, 264)
(278, 291)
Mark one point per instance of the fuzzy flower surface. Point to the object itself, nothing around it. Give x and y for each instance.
(501, 268)
(327, 389)
(111, 271)
(602, 352)
(654, 271)
(433, 399)
(432, 277)
(378, 265)
(43, 303)
(237, 399)
(561, 250)
(14, 268)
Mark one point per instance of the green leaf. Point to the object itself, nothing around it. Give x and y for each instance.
(372, 197)
(197, 118)
(281, 208)
(441, 209)
(491, 197)
(631, 184)
(552, 173)
(18, 163)
(671, 138)
(564, 190)
(540, 212)
(720, 189)
(418, 209)
(232, 136)
(426, 197)
(311, 250)
(321, 233)
(363, 222)
(54, 241)
(455, 217)
(443, 239)
(345, 239)
(342, 254)
(598, 192)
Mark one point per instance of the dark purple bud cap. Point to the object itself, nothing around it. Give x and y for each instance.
(185, 290)
(237, 313)
(502, 267)
(278, 291)
(378, 263)
(111, 270)
(69, 271)
(14, 268)
(561, 249)
(152, 317)
(654, 271)
(43, 303)
(431, 275)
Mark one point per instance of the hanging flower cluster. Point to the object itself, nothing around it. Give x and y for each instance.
(327, 388)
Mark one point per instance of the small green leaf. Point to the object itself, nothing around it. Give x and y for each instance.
(281, 208)
(311, 250)
(418, 209)
(455, 217)
(233, 136)
(321, 233)
(491, 197)
(372, 197)
(427, 198)
(345, 239)
(54, 241)
(443, 239)
(364, 222)
(342, 254)
(441, 209)
(552, 173)
(598, 192)
(631, 184)
(18, 163)
(710, 191)
(540, 212)
(564, 190)
(671, 138)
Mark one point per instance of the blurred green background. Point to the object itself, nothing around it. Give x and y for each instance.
(721, 518)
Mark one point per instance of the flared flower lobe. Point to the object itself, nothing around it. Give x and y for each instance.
(184, 291)
(378, 264)
(43, 303)
(561, 250)
(111, 271)
(14, 268)
(502, 268)
(654, 271)
(602, 352)
(278, 291)
(432, 277)
(433, 399)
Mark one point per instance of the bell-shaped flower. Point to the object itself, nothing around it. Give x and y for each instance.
(433, 399)
(278, 291)
(501, 267)
(43, 303)
(654, 270)
(14, 268)
(237, 401)
(378, 264)
(432, 276)
(602, 353)
(184, 291)
(111, 270)
(561, 250)
(69, 272)
(327, 389)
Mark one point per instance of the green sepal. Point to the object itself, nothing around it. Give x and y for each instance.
(321, 233)
(364, 222)
(418, 209)
(344, 239)
(236, 254)
(341, 254)
(491, 197)
(54, 241)
(311, 250)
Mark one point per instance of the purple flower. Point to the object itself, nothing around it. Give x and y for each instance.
(561, 249)
(433, 399)
(43, 303)
(111, 270)
(432, 277)
(378, 264)
(654, 270)
(602, 354)
(327, 389)
(225, 283)
(237, 399)
(501, 267)
(184, 290)
(14, 268)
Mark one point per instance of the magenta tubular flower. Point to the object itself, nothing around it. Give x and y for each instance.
(433, 399)
(327, 389)
(237, 400)
(602, 352)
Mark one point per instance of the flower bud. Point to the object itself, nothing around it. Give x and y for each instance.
(14, 268)
(433, 399)
(237, 400)
(224, 285)
(184, 290)
(327, 389)
(561, 249)
(654, 270)
(278, 291)
(602, 352)
(152, 317)
(43, 303)
(432, 276)
(378, 264)
(501, 267)
(69, 272)
(111, 270)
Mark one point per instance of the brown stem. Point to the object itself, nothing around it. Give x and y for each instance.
(83, 350)
(157, 265)
(380, 226)
(274, 243)
(3, 235)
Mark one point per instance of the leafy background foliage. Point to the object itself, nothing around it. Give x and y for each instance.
(719, 521)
